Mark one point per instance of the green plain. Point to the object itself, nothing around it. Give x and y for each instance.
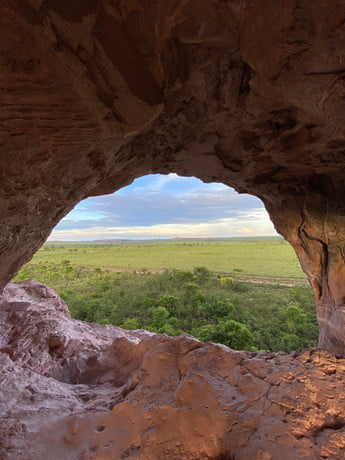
(245, 293)
(266, 258)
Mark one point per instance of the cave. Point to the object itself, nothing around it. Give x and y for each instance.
(95, 93)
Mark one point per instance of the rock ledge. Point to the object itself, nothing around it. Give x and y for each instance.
(72, 390)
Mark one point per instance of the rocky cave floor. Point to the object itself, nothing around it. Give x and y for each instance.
(76, 391)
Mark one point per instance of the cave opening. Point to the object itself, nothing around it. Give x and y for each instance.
(174, 255)
(166, 206)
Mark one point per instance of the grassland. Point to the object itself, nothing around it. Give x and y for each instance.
(247, 294)
(266, 258)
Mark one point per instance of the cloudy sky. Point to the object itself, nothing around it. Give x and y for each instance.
(157, 206)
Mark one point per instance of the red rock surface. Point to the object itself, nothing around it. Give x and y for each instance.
(97, 92)
(72, 390)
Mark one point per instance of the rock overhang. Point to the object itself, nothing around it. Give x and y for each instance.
(249, 94)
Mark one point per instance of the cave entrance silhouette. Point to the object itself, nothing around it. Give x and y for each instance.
(207, 261)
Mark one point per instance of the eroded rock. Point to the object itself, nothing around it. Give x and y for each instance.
(251, 94)
(74, 390)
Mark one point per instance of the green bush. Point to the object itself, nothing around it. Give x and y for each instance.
(229, 332)
(226, 282)
(130, 324)
(238, 314)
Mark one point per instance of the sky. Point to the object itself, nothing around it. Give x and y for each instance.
(166, 206)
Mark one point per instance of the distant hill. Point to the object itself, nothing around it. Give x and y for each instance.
(113, 240)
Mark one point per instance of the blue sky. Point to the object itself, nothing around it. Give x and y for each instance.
(166, 206)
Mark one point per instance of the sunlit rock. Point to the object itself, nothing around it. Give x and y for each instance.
(96, 93)
(72, 390)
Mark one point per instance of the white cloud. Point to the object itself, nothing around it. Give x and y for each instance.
(246, 231)
(221, 228)
(166, 207)
(163, 179)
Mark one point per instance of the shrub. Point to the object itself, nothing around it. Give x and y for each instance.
(231, 333)
(226, 282)
(201, 274)
(130, 324)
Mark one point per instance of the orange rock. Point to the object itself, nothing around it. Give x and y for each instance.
(98, 392)
(97, 93)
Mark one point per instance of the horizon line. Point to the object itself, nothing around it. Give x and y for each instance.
(168, 239)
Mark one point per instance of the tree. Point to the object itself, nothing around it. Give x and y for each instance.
(130, 324)
(229, 332)
(234, 334)
(159, 317)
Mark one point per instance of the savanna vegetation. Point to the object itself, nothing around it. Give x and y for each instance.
(175, 287)
(271, 257)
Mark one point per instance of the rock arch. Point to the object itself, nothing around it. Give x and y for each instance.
(96, 93)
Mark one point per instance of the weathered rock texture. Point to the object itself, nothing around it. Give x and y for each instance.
(72, 390)
(250, 93)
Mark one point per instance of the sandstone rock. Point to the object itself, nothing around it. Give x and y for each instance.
(96, 93)
(72, 390)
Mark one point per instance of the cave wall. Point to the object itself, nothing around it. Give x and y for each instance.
(249, 93)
